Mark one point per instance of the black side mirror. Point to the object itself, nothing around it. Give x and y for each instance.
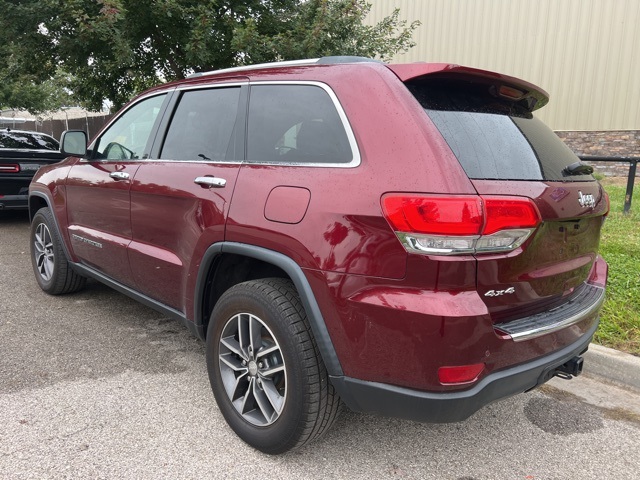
(73, 143)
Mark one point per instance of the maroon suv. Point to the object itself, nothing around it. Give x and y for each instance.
(407, 240)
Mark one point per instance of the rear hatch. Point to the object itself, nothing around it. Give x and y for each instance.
(17, 168)
(508, 154)
(21, 155)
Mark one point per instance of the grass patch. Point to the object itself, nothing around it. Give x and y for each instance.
(620, 247)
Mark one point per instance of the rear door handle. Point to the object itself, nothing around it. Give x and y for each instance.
(119, 175)
(211, 182)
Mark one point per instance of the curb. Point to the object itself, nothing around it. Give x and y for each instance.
(613, 366)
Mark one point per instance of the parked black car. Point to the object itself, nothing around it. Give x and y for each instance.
(22, 153)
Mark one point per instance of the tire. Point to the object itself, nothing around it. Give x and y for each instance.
(276, 397)
(50, 266)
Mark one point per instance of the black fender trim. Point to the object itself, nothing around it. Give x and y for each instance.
(291, 268)
(49, 203)
(445, 407)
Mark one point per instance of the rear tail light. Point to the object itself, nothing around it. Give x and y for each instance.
(11, 168)
(456, 225)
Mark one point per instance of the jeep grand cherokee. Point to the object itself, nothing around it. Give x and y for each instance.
(407, 240)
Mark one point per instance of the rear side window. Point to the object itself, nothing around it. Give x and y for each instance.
(296, 124)
(33, 141)
(491, 139)
(203, 126)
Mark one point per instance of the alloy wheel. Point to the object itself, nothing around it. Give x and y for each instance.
(252, 369)
(44, 256)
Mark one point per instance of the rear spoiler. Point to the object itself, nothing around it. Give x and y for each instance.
(504, 86)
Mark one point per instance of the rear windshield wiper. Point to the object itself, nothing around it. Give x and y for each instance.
(578, 168)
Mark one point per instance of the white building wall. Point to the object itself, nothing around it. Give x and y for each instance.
(585, 53)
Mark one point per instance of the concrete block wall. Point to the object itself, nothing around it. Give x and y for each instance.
(622, 143)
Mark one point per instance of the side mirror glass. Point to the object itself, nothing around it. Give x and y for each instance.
(73, 143)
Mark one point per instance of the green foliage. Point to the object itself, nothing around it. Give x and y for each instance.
(112, 49)
(322, 28)
(23, 92)
(620, 247)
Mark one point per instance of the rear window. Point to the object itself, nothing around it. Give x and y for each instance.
(492, 139)
(296, 124)
(27, 140)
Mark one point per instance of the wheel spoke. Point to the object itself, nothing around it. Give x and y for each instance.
(39, 244)
(273, 395)
(243, 334)
(234, 385)
(47, 268)
(238, 391)
(255, 333)
(267, 351)
(231, 344)
(269, 372)
(263, 402)
(233, 363)
(248, 393)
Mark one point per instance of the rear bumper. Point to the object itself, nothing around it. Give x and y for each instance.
(12, 202)
(585, 303)
(445, 407)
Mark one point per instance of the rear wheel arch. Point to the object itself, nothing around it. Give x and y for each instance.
(216, 275)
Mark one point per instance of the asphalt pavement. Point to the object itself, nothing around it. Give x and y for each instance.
(94, 385)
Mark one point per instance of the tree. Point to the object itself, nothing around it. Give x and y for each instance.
(112, 49)
(322, 28)
(24, 92)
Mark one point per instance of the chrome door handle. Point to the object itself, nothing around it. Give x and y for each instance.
(119, 175)
(210, 182)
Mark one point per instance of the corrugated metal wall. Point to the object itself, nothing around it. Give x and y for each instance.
(585, 53)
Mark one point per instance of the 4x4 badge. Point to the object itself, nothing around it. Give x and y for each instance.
(587, 200)
(497, 293)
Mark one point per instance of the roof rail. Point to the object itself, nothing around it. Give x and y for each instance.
(290, 63)
(346, 59)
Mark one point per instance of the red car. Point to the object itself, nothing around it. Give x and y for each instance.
(407, 240)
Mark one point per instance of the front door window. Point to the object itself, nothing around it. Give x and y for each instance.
(128, 137)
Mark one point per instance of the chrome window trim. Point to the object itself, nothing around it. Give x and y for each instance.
(204, 86)
(199, 162)
(355, 161)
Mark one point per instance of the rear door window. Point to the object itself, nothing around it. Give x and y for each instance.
(296, 124)
(203, 126)
(492, 140)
